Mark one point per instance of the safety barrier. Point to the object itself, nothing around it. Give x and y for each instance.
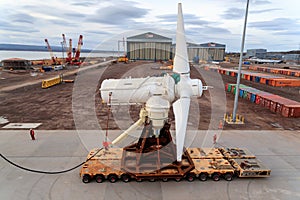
(275, 103)
(239, 119)
(52, 81)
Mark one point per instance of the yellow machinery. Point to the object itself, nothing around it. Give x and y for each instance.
(52, 81)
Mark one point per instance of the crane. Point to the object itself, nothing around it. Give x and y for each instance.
(69, 52)
(51, 53)
(64, 47)
(77, 53)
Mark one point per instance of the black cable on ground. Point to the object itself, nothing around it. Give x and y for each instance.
(45, 172)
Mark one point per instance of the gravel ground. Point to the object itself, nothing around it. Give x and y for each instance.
(53, 107)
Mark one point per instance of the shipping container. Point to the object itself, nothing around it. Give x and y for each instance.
(291, 110)
(253, 97)
(285, 82)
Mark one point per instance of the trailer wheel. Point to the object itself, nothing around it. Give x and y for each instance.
(139, 180)
(190, 177)
(228, 176)
(112, 178)
(216, 177)
(99, 178)
(152, 179)
(165, 179)
(203, 176)
(86, 178)
(125, 178)
(178, 179)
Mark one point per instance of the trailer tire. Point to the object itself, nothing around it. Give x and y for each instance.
(228, 176)
(99, 178)
(112, 178)
(203, 177)
(165, 179)
(125, 178)
(152, 180)
(139, 180)
(190, 177)
(178, 179)
(216, 177)
(86, 178)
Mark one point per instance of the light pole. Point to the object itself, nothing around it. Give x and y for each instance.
(236, 97)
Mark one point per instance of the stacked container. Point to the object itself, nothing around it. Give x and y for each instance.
(275, 103)
(267, 79)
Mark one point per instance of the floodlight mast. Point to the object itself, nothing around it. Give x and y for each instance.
(236, 97)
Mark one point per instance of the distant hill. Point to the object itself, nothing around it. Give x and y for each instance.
(22, 47)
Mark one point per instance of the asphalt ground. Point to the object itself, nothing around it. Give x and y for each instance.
(55, 150)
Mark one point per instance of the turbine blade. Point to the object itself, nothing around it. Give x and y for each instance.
(181, 62)
(181, 111)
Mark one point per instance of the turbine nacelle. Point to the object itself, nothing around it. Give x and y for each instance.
(132, 91)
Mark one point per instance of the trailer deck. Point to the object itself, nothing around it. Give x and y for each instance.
(214, 163)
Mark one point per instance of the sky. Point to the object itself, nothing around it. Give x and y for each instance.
(272, 24)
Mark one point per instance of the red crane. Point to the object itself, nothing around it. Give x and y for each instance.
(51, 53)
(69, 53)
(77, 53)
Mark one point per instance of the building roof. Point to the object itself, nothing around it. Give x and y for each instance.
(205, 45)
(15, 60)
(149, 37)
(212, 44)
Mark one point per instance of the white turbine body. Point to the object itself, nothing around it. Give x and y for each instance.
(132, 91)
(159, 92)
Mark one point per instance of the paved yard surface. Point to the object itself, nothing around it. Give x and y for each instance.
(56, 150)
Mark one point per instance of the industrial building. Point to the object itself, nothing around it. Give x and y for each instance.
(206, 52)
(16, 64)
(258, 53)
(291, 58)
(149, 46)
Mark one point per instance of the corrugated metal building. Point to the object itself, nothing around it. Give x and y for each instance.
(149, 46)
(206, 52)
(258, 53)
(16, 64)
(291, 58)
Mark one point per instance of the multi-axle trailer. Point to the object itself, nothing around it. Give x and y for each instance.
(154, 158)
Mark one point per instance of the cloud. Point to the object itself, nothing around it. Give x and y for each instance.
(97, 32)
(234, 13)
(84, 3)
(117, 15)
(21, 18)
(288, 33)
(255, 2)
(264, 11)
(63, 23)
(278, 24)
(208, 30)
(7, 26)
(189, 19)
(74, 14)
(261, 2)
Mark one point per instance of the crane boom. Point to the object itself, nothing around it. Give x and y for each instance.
(50, 51)
(64, 42)
(80, 43)
(69, 53)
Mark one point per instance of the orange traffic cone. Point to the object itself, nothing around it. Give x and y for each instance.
(220, 125)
